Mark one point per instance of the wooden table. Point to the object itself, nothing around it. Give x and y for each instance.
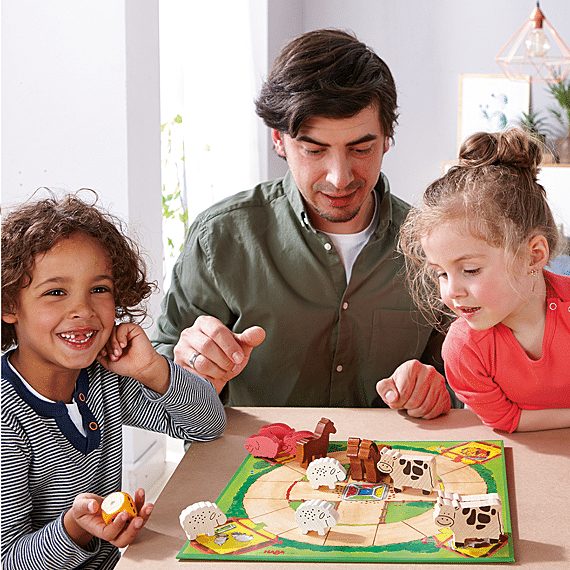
(538, 474)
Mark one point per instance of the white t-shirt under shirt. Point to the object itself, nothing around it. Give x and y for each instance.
(350, 245)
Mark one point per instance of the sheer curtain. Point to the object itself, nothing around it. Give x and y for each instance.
(213, 58)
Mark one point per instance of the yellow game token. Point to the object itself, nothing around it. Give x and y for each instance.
(116, 503)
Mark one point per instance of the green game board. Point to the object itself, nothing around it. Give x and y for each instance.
(376, 524)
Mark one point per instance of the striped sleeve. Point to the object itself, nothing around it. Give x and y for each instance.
(191, 408)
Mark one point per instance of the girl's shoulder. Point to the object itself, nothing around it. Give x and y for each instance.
(461, 336)
(559, 285)
(460, 329)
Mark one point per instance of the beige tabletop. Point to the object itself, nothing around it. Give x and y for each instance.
(538, 476)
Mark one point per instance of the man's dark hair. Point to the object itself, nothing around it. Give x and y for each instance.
(326, 73)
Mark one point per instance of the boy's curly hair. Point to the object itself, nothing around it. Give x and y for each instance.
(33, 228)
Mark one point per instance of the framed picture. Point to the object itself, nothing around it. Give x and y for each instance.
(490, 103)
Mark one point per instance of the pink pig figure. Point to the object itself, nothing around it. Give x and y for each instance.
(275, 438)
(290, 441)
(263, 445)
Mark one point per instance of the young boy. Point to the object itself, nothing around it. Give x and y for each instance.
(71, 377)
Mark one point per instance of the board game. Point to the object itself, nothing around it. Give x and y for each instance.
(376, 524)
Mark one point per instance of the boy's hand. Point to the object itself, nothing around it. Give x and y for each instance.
(84, 521)
(128, 352)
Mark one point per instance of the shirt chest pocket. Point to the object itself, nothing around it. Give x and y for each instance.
(397, 336)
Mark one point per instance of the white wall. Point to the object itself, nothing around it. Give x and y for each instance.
(80, 106)
(427, 45)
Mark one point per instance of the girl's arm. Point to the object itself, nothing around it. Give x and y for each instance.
(535, 420)
(468, 372)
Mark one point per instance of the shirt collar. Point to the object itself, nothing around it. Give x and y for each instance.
(383, 201)
(58, 410)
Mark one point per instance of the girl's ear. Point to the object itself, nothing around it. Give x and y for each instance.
(10, 318)
(539, 252)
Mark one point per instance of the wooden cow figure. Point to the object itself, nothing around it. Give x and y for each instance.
(474, 517)
(416, 471)
(309, 449)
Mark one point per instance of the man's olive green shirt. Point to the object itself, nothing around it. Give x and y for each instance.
(254, 259)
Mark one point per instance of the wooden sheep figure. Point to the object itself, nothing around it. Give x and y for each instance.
(316, 515)
(201, 518)
(475, 517)
(309, 449)
(416, 471)
(325, 471)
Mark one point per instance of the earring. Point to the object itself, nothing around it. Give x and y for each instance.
(534, 272)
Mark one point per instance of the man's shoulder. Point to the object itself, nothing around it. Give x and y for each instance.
(254, 202)
(398, 208)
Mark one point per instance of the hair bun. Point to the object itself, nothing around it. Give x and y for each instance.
(514, 148)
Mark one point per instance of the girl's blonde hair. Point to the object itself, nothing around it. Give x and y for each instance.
(494, 192)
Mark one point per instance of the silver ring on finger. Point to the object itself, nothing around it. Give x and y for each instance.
(193, 359)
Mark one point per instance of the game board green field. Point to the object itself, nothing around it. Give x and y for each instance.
(376, 524)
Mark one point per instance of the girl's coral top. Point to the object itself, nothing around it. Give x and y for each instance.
(495, 378)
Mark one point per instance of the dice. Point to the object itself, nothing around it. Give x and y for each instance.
(116, 503)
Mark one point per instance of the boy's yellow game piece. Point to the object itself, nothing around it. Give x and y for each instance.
(116, 503)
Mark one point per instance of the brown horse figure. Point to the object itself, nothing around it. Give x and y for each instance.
(352, 449)
(370, 454)
(317, 446)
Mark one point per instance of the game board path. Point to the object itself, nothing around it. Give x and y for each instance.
(270, 500)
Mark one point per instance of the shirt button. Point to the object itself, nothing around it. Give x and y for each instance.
(93, 426)
(552, 306)
(345, 305)
(339, 368)
(328, 246)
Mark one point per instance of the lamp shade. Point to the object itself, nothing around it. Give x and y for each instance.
(535, 50)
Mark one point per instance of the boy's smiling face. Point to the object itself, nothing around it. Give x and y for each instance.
(66, 314)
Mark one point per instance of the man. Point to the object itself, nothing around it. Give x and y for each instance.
(304, 268)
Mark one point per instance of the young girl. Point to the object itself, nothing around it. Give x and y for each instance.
(478, 244)
(72, 377)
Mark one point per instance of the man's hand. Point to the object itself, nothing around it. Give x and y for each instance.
(417, 388)
(221, 354)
